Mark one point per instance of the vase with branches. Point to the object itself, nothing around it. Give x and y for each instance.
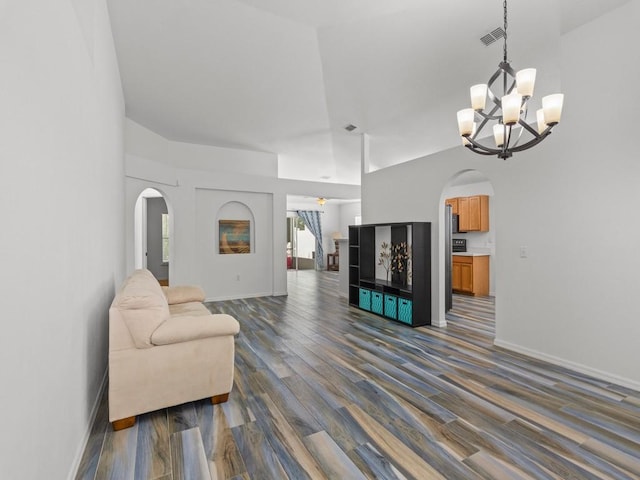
(385, 258)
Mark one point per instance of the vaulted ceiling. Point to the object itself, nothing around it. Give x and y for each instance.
(286, 76)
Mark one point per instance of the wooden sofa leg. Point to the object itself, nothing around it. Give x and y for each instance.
(219, 398)
(124, 423)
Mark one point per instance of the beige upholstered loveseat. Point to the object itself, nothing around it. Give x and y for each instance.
(165, 348)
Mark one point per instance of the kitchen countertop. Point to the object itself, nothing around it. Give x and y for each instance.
(470, 254)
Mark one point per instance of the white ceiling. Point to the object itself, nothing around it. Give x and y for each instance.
(286, 76)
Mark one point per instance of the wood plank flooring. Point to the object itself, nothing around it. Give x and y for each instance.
(327, 391)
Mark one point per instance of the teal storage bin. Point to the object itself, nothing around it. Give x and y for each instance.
(405, 309)
(391, 306)
(365, 299)
(376, 303)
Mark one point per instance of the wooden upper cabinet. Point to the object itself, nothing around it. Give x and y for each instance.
(473, 212)
(454, 205)
(463, 214)
(479, 213)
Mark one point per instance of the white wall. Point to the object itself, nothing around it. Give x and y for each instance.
(190, 210)
(571, 200)
(62, 251)
(348, 213)
(235, 275)
(147, 144)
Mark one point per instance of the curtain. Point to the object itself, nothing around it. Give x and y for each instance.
(311, 219)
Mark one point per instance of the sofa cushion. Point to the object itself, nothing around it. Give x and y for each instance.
(142, 305)
(186, 328)
(183, 294)
(191, 308)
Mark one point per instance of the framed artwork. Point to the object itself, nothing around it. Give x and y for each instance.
(234, 236)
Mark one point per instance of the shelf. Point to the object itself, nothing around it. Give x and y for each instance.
(406, 303)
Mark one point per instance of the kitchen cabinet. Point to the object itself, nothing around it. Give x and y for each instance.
(454, 205)
(473, 212)
(470, 274)
(463, 214)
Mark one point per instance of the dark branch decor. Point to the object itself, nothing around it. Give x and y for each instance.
(400, 261)
(385, 258)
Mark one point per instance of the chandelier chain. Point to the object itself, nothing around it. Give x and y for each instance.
(505, 30)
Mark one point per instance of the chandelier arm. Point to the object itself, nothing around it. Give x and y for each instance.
(496, 74)
(479, 152)
(479, 129)
(527, 127)
(475, 146)
(531, 143)
(495, 100)
(505, 69)
(490, 115)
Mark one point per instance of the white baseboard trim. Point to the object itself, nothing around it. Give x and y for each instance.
(92, 418)
(238, 297)
(578, 367)
(440, 323)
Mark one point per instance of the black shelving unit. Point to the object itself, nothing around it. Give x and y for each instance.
(396, 299)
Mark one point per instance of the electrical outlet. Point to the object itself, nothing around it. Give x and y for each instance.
(238, 277)
(524, 251)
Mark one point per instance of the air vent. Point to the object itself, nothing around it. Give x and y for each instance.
(489, 38)
(350, 128)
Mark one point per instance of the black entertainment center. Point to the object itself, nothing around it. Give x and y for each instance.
(405, 296)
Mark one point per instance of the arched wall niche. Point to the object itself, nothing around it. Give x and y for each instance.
(235, 210)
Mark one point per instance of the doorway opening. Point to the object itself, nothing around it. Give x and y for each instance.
(301, 245)
(468, 278)
(152, 234)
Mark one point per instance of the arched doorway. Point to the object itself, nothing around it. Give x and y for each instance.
(152, 234)
(480, 245)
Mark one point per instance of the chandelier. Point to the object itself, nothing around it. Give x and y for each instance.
(507, 113)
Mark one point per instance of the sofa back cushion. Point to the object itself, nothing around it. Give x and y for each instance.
(183, 294)
(143, 306)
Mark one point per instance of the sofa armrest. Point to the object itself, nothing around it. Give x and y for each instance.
(186, 328)
(183, 294)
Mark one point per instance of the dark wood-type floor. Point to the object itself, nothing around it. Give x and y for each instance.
(327, 391)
